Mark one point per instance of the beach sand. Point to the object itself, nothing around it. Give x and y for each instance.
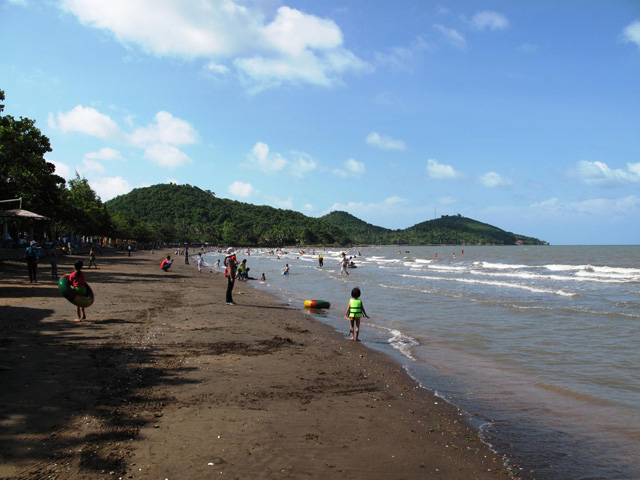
(165, 381)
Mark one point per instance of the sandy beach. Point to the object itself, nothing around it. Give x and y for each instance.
(165, 381)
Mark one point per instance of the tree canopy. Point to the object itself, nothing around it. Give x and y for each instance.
(24, 172)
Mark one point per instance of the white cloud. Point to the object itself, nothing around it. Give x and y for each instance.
(550, 206)
(490, 20)
(105, 153)
(384, 142)
(110, 187)
(350, 169)
(217, 69)
(601, 207)
(599, 173)
(85, 120)
(452, 36)
(441, 171)
(264, 160)
(403, 57)
(299, 164)
(281, 203)
(89, 165)
(166, 155)
(294, 47)
(634, 168)
(493, 180)
(159, 140)
(356, 208)
(166, 129)
(240, 189)
(631, 33)
(302, 164)
(62, 169)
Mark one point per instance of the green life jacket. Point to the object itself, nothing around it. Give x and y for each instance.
(355, 308)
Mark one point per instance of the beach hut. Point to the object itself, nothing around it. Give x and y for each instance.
(17, 214)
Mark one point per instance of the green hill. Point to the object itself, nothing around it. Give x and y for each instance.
(184, 213)
(458, 230)
(358, 230)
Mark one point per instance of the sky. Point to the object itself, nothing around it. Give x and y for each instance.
(524, 114)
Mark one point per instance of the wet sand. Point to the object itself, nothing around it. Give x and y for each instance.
(165, 381)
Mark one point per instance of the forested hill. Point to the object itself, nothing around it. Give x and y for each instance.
(359, 231)
(184, 213)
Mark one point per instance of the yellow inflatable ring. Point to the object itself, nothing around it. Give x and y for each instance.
(316, 304)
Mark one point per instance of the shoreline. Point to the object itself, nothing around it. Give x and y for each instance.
(176, 384)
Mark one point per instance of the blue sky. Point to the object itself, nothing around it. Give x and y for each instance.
(521, 114)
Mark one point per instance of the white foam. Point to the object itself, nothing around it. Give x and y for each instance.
(402, 343)
(421, 260)
(399, 341)
(500, 266)
(536, 276)
(529, 288)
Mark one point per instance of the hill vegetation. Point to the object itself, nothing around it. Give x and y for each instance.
(185, 213)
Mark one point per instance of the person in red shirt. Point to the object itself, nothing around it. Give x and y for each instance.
(166, 263)
(77, 282)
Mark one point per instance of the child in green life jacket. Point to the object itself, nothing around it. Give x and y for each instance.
(355, 311)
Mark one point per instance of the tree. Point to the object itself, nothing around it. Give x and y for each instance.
(85, 213)
(24, 172)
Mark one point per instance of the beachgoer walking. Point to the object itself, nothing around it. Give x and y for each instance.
(200, 262)
(320, 260)
(186, 255)
(53, 260)
(32, 253)
(231, 264)
(92, 259)
(77, 282)
(129, 248)
(355, 311)
(166, 263)
(344, 264)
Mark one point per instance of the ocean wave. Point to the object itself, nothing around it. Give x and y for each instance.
(602, 269)
(501, 266)
(559, 278)
(493, 283)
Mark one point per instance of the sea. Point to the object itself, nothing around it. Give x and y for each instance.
(539, 346)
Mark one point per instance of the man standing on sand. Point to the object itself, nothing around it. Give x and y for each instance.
(231, 264)
(31, 254)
